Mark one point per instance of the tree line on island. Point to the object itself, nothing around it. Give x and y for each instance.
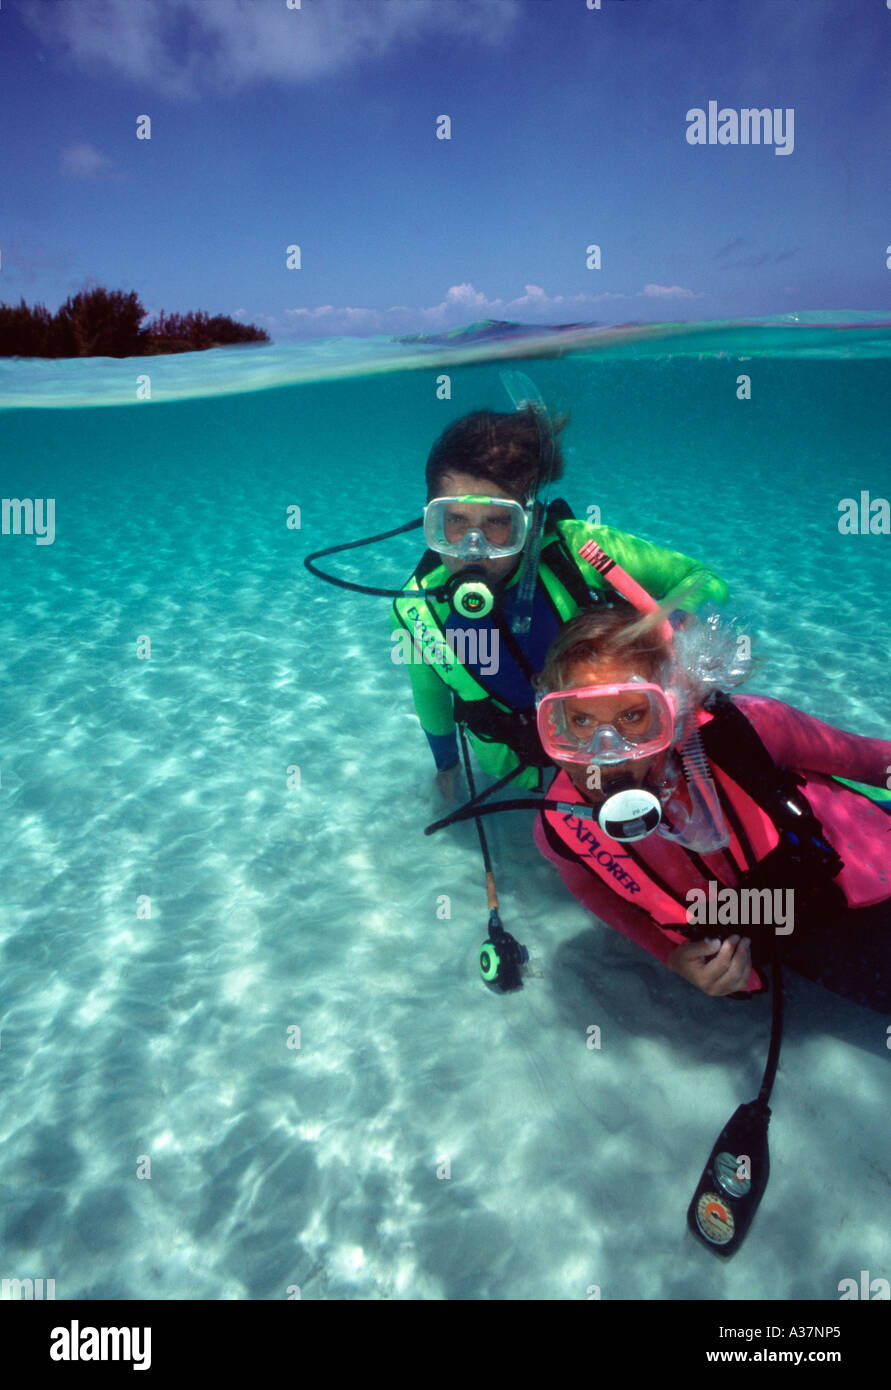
(108, 323)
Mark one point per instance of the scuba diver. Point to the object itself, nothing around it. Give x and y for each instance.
(670, 792)
(501, 573)
(679, 812)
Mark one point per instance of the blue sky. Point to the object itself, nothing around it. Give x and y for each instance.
(317, 126)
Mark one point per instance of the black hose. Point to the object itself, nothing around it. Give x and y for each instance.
(351, 545)
(487, 863)
(776, 1026)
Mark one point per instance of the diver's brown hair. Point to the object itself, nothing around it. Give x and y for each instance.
(503, 449)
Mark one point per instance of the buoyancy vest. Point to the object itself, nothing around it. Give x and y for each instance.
(569, 585)
(769, 847)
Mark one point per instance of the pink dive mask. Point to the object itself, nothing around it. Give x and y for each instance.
(605, 724)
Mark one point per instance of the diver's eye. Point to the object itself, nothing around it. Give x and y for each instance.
(455, 525)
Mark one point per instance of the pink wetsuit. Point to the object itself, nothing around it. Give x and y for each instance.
(859, 830)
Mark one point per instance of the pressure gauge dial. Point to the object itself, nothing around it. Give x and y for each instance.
(726, 1169)
(714, 1218)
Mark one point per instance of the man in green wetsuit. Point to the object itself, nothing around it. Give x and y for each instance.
(478, 670)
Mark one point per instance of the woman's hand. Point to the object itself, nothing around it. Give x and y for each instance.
(713, 966)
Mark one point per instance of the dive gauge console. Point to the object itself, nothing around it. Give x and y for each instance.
(733, 1180)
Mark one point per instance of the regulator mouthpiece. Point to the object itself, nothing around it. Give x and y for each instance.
(630, 814)
(471, 593)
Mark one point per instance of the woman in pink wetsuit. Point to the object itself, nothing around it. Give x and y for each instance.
(756, 834)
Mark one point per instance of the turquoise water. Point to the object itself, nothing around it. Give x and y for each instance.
(162, 785)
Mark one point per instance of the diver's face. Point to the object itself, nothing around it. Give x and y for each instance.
(627, 713)
(467, 485)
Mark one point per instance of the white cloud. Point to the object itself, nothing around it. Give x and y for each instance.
(83, 161)
(461, 304)
(671, 292)
(535, 299)
(183, 46)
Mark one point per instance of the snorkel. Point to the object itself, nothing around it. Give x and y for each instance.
(707, 652)
(525, 396)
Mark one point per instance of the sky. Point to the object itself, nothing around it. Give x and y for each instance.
(313, 123)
